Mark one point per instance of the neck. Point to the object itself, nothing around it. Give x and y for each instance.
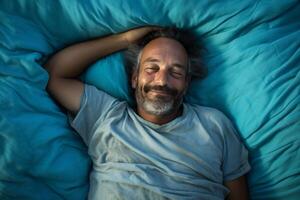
(159, 119)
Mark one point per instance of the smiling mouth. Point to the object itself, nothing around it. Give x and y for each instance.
(160, 92)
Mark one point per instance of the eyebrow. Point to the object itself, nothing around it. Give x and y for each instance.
(151, 59)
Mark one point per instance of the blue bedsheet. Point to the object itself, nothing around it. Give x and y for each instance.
(253, 59)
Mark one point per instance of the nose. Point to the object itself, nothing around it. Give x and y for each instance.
(161, 78)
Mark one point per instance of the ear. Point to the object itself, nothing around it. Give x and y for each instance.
(134, 79)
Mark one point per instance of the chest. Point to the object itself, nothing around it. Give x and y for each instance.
(186, 151)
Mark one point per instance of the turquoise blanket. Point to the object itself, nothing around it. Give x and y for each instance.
(253, 60)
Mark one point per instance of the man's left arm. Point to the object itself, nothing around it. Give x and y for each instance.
(238, 189)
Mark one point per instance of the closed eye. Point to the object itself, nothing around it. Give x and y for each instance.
(151, 68)
(176, 74)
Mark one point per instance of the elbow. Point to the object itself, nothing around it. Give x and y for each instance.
(54, 69)
(50, 66)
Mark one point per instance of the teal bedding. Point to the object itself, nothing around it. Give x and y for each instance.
(253, 61)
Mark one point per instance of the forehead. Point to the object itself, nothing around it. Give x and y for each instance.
(165, 50)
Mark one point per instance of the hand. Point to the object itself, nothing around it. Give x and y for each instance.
(132, 36)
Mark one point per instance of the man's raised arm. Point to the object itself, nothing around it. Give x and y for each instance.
(238, 189)
(65, 66)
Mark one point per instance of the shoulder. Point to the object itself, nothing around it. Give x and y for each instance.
(212, 119)
(97, 103)
(92, 95)
(92, 91)
(208, 113)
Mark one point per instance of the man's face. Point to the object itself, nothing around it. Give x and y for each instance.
(161, 80)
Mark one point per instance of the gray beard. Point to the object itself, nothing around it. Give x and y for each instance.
(158, 108)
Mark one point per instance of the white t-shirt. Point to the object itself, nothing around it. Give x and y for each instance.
(188, 158)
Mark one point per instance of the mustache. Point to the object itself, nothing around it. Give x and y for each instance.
(165, 89)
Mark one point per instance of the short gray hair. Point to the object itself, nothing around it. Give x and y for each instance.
(185, 37)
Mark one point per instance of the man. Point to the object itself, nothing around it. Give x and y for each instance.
(162, 148)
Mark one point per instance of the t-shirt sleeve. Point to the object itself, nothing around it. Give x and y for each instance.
(235, 155)
(94, 106)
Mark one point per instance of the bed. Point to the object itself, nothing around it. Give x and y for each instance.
(252, 54)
